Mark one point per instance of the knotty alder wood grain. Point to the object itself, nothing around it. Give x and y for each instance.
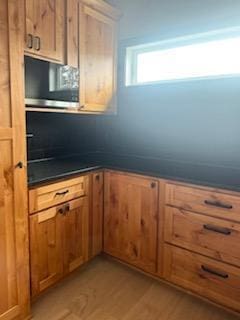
(44, 21)
(46, 229)
(58, 242)
(216, 280)
(14, 262)
(130, 219)
(96, 214)
(76, 234)
(72, 33)
(205, 200)
(98, 60)
(53, 194)
(213, 237)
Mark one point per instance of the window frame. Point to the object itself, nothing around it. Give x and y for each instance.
(132, 52)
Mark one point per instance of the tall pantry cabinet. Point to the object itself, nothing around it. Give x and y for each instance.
(14, 262)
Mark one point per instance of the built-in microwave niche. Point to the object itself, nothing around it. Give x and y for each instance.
(50, 85)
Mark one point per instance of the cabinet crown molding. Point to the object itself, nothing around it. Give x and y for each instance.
(103, 6)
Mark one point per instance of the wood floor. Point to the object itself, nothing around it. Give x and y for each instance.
(107, 290)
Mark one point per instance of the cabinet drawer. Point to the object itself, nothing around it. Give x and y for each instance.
(207, 235)
(204, 201)
(214, 280)
(54, 194)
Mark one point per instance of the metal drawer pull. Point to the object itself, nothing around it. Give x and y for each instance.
(218, 204)
(37, 43)
(220, 274)
(64, 210)
(225, 231)
(62, 193)
(30, 41)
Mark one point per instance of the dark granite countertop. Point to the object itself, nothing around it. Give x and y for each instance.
(47, 170)
(213, 176)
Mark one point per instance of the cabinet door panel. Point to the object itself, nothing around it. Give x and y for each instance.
(96, 224)
(14, 262)
(72, 45)
(45, 249)
(45, 21)
(75, 234)
(97, 61)
(130, 221)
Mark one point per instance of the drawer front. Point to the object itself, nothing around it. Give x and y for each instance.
(217, 204)
(57, 193)
(211, 279)
(210, 236)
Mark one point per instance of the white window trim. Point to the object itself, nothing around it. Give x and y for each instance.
(133, 52)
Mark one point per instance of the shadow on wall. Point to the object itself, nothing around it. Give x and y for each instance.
(194, 121)
(57, 135)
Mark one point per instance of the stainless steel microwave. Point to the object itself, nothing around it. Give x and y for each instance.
(50, 85)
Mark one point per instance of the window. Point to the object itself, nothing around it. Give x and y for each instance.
(213, 54)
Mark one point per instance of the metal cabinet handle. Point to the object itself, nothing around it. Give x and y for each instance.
(64, 210)
(20, 165)
(225, 231)
(37, 43)
(62, 193)
(153, 185)
(30, 41)
(220, 274)
(218, 204)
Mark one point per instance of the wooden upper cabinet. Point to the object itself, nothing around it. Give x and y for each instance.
(14, 262)
(72, 33)
(44, 29)
(130, 219)
(98, 58)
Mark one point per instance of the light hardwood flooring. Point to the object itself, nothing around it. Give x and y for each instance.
(107, 290)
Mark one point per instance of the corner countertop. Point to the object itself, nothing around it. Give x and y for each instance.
(49, 170)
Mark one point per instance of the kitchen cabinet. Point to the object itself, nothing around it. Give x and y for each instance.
(130, 219)
(58, 242)
(96, 218)
(207, 277)
(72, 33)
(59, 230)
(46, 229)
(14, 257)
(201, 242)
(98, 56)
(44, 29)
(75, 234)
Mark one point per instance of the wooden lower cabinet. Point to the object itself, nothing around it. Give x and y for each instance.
(203, 234)
(46, 230)
(96, 214)
(209, 278)
(130, 219)
(58, 243)
(75, 234)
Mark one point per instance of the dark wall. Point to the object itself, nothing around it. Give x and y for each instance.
(196, 121)
(59, 134)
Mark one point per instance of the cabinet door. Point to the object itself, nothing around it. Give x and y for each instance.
(130, 221)
(46, 249)
(14, 262)
(96, 223)
(45, 29)
(72, 38)
(97, 61)
(75, 234)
